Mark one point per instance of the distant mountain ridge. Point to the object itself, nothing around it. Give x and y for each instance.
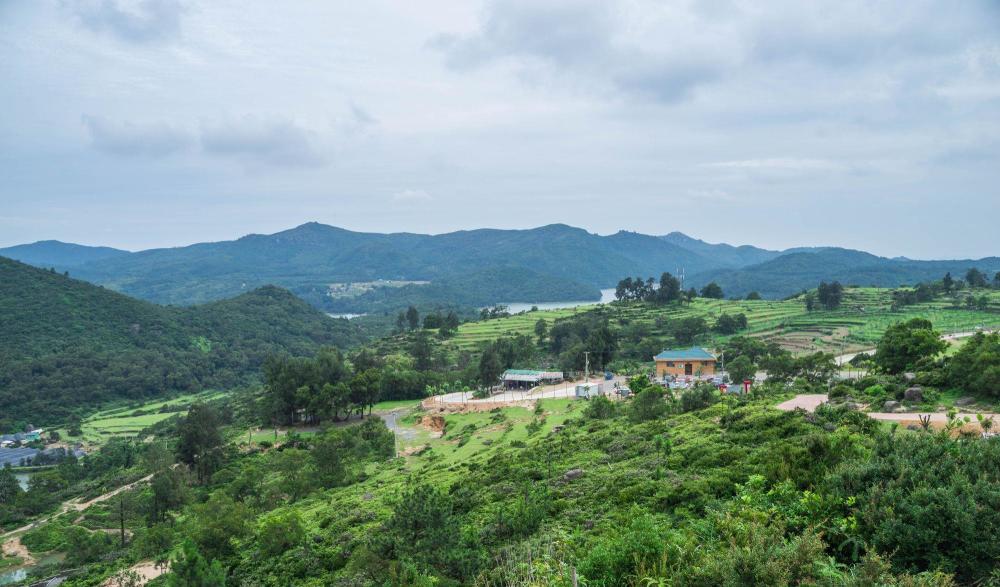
(793, 272)
(470, 267)
(58, 254)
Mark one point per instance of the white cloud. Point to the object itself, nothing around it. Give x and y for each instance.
(134, 21)
(275, 142)
(132, 139)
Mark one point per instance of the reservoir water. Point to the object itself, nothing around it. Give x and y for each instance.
(8, 577)
(607, 295)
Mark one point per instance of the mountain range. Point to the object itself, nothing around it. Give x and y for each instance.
(468, 268)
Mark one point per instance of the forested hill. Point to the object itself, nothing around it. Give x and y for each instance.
(65, 343)
(308, 258)
(794, 272)
(466, 268)
(59, 254)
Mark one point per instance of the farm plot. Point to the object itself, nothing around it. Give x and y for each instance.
(129, 420)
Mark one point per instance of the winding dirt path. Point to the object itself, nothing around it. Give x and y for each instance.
(146, 571)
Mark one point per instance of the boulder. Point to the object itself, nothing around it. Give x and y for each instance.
(572, 474)
(891, 406)
(909, 376)
(914, 394)
(965, 401)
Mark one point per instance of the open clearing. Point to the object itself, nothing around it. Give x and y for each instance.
(129, 420)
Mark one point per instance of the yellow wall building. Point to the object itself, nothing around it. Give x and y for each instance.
(694, 362)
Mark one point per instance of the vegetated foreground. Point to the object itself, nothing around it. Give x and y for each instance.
(330, 473)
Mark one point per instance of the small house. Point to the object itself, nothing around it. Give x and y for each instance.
(694, 361)
(528, 378)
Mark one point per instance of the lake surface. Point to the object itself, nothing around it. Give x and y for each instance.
(607, 295)
(8, 577)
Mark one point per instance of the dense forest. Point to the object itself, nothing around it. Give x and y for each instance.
(67, 343)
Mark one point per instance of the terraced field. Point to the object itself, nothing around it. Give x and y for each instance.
(857, 324)
(128, 420)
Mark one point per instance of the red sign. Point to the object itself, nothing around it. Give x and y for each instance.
(746, 385)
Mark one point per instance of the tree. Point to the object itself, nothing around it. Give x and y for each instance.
(810, 300)
(712, 291)
(424, 527)
(669, 290)
(726, 324)
(647, 405)
(975, 278)
(686, 330)
(280, 532)
(741, 368)
(191, 569)
(490, 367)
(830, 295)
(948, 282)
(422, 351)
(365, 389)
(908, 345)
(753, 296)
(976, 366)
(996, 280)
(199, 440)
(541, 330)
(9, 487)
(169, 493)
(218, 524)
(413, 318)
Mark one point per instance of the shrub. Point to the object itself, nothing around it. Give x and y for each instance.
(599, 408)
(647, 405)
(698, 397)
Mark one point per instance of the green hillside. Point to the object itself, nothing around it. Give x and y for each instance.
(791, 273)
(66, 343)
(862, 318)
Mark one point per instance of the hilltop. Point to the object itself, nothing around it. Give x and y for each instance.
(58, 254)
(385, 272)
(67, 343)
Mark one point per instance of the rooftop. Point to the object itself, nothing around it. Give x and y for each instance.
(691, 354)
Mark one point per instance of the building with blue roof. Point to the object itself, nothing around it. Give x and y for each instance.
(693, 361)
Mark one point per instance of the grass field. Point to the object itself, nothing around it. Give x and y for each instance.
(860, 321)
(129, 420)
(472, 436)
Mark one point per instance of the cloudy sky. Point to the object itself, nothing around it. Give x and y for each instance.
(136, 124)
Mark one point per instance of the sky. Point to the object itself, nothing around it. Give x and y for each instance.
(150, 123)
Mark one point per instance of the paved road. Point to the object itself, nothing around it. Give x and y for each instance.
(560, 390)
(809, 403)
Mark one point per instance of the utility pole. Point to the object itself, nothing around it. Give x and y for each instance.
(586, 368)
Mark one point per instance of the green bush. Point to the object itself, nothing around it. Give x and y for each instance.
(647, 405)
(599, 408)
